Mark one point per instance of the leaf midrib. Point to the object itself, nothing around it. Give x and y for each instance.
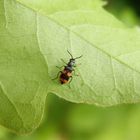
(121, 26)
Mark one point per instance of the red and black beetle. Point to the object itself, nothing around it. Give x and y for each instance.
(66, 73)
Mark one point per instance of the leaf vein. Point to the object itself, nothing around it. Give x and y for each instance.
(5, 15)
(4, 92)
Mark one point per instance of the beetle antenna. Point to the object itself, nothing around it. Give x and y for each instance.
(78, 57)
(70, 53)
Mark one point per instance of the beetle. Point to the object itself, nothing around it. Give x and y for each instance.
(66, 73)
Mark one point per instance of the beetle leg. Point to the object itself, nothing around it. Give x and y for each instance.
(57, 75)
(71, 78)
(63, 61)
(60, 67)
(75, 73)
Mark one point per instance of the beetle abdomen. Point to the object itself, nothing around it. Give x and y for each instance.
(64, 78)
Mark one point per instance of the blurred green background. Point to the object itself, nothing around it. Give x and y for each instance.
(68, 121)
(127, 11)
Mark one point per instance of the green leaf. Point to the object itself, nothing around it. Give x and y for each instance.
(35, 35)
(23, 70)
(109, 71)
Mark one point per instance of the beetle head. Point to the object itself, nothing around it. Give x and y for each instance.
(72, 61)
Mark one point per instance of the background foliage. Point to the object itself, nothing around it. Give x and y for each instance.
(68, 121)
